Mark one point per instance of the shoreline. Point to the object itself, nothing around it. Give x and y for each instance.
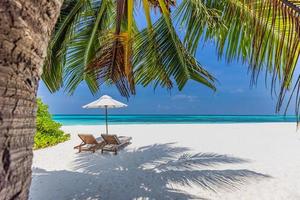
(187, 124)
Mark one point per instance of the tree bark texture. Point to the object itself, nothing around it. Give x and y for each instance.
(25, 29)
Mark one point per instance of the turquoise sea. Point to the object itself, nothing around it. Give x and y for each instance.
(169, 119)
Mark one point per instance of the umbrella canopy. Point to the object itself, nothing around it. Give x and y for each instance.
(105, 102)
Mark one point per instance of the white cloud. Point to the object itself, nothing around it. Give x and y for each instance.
(184, 97)
(238, 90)
(163, 107)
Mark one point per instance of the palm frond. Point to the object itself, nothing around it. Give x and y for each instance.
(80, 47)
(149, 62)
(53, 65)
(197, 19)
(155, 4)
(272, 31)
(112, 64)
(98, 41)
(128, 44)
(160, 57)
(111, 53)
(263, 34)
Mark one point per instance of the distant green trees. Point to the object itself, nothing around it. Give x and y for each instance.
(48, 131)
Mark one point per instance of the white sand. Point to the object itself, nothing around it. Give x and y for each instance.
(236, 162)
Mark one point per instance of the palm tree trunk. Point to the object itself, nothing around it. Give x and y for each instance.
(25, 28)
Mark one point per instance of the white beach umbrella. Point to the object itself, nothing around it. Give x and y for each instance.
(105, 102)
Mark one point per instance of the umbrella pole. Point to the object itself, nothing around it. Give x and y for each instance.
(106, 119)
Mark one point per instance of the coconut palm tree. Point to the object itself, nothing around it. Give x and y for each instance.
(25, 29)
(99, 42)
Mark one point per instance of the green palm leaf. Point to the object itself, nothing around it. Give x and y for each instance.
(53, 66)
(263, 34)
(158, 59)
(81, 46)
(98, 42)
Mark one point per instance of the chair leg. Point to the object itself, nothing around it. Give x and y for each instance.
(116, 152)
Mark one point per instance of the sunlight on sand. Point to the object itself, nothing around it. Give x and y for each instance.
(213, 161)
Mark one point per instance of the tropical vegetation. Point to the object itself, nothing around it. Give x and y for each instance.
(48, 131)
(100, 42)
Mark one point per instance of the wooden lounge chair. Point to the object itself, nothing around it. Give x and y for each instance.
(114, 143)
(89, 143)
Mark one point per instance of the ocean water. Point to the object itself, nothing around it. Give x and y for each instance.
(169, 119)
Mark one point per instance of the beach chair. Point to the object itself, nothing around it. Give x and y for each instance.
(89, 143)
(114, 143)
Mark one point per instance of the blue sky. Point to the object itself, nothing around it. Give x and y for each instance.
(234, 96)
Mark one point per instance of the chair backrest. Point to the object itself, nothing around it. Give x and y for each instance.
(111, 139)
(88, 138)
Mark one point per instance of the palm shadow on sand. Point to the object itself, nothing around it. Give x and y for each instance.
(145, 173)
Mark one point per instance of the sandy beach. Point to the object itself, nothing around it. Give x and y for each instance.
(195, 161)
